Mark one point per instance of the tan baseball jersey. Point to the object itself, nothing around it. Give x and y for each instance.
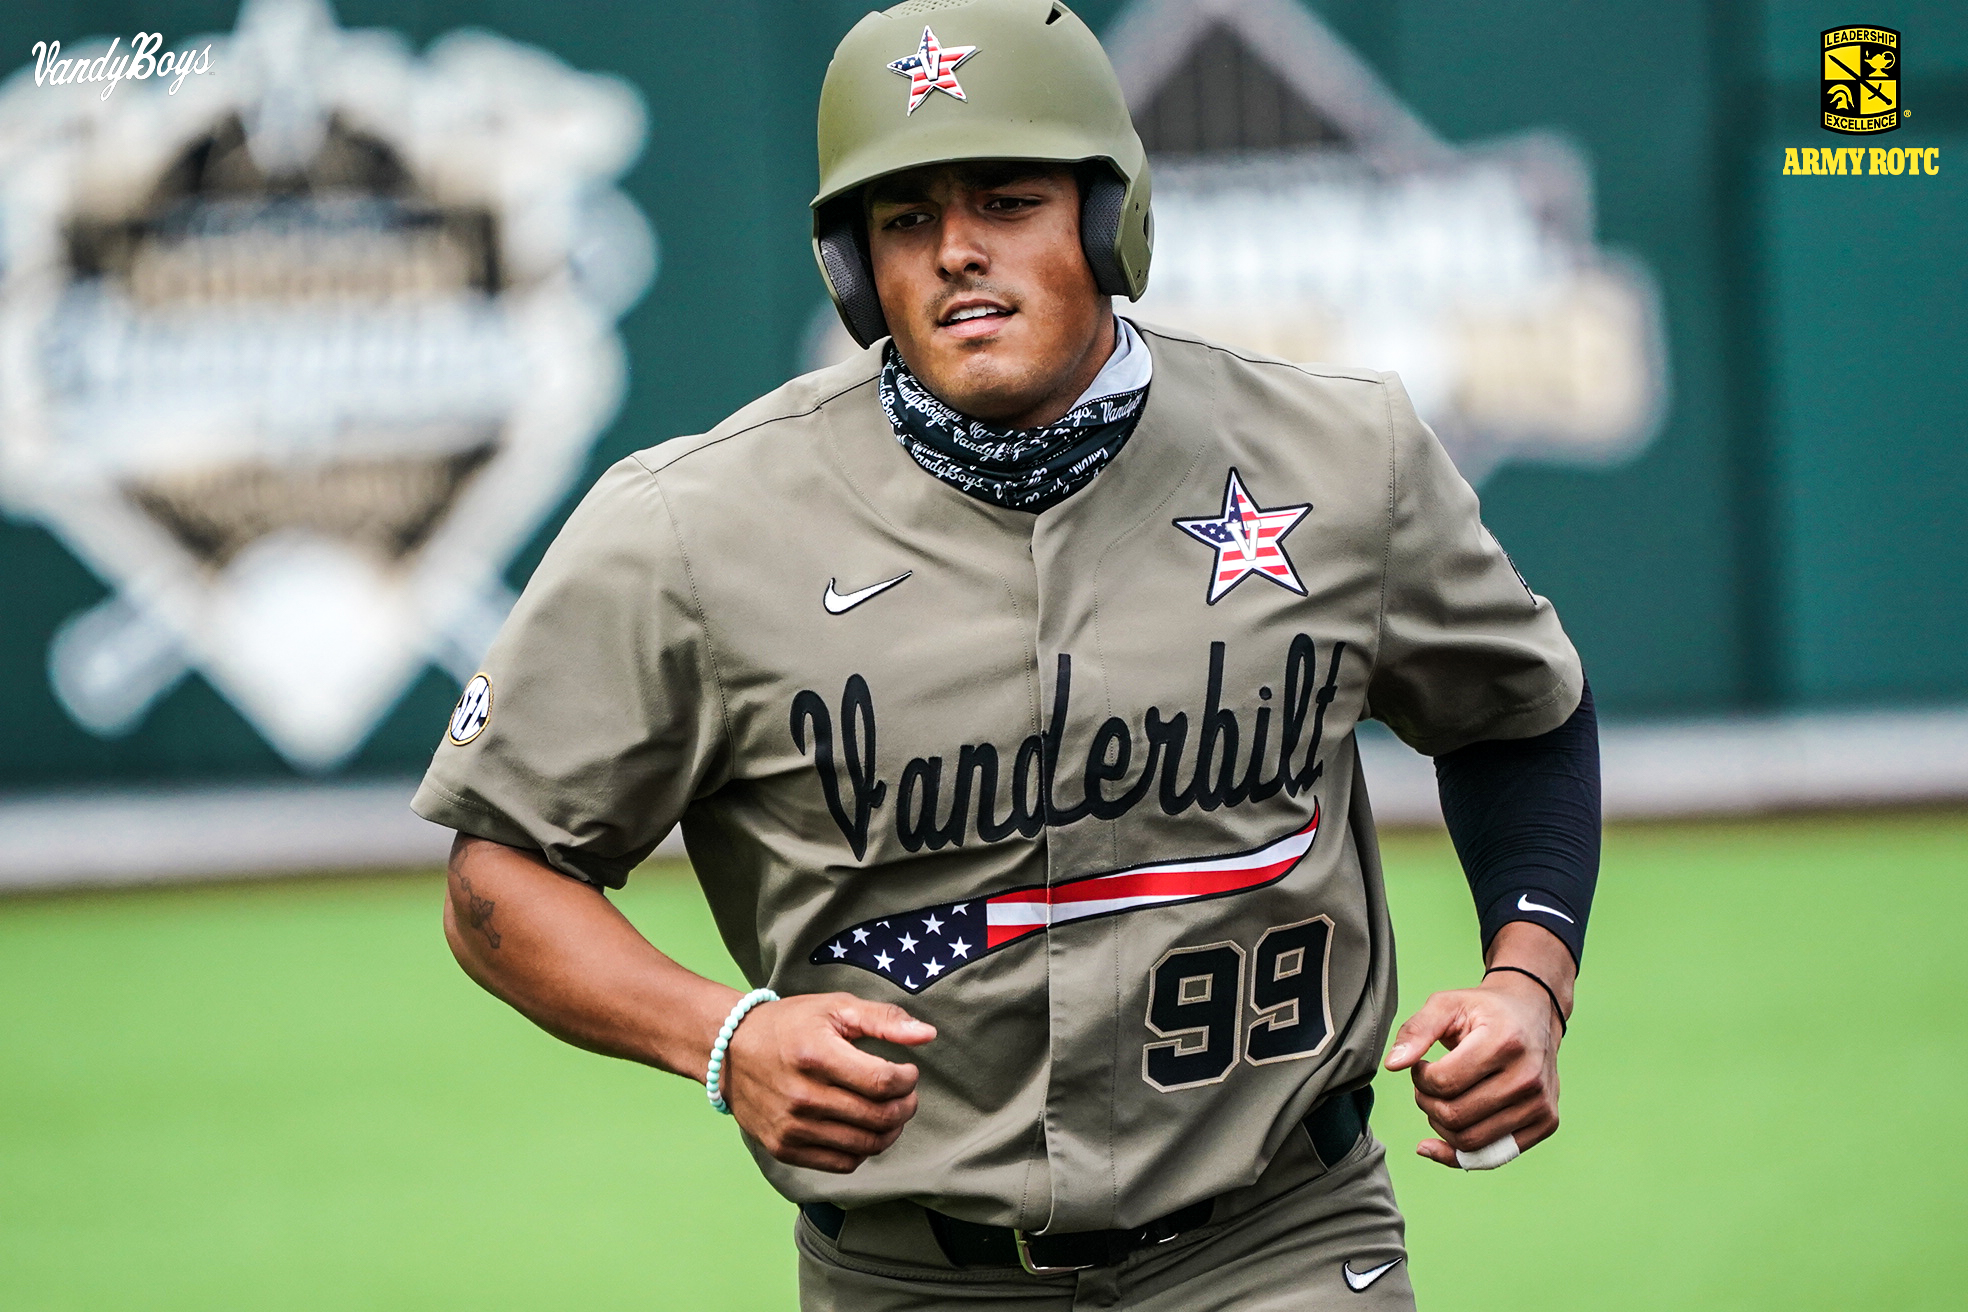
(1078, 788)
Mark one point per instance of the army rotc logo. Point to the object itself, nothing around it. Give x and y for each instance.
(1861, 79)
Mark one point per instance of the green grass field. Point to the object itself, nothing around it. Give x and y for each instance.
(286, 1096)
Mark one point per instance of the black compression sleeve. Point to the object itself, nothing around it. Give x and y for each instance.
(1524, 816)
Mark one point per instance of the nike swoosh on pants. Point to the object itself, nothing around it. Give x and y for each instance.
(1359, 1280)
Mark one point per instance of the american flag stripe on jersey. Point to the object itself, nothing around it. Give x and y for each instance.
(914, 949)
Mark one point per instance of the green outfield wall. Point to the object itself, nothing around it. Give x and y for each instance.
(1788, 538)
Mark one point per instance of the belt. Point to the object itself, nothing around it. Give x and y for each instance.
(1334, 1126)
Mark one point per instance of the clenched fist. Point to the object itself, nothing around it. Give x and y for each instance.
(797, 1084)
(1501, 1073)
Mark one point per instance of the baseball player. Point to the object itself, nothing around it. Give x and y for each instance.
(1004, 682)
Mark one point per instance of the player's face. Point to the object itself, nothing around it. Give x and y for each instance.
(986, 289)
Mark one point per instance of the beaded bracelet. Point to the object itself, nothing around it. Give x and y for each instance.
(716, 1070)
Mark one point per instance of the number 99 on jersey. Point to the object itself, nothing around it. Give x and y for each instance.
(1196, 1003)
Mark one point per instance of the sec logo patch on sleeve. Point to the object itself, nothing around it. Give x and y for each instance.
(474, 709)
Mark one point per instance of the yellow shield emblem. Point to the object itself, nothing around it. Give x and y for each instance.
(1861, 79)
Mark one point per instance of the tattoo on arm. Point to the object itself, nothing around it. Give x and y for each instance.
(479, 912)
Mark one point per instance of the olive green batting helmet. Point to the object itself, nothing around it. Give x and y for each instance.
(943, 81)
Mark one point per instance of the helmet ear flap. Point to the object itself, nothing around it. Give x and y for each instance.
(1103, 198)
(842, 245)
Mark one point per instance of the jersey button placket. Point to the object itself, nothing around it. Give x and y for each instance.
(1082, 1011)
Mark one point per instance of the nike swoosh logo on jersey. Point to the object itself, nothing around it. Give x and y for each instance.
(1359, 1280)
(839, 603)
(1524, 903)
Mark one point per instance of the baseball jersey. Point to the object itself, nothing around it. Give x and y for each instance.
(1078, 788)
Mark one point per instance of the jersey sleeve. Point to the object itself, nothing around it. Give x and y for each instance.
(1467, 651)
(605, 719)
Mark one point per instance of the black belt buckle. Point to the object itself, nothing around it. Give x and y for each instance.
(1023, 1244)
(1087, 1249)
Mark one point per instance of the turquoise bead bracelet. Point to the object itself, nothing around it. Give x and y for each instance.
(712, 1076)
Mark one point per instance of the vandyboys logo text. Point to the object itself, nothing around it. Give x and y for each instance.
(139, 63)
(1222, 771)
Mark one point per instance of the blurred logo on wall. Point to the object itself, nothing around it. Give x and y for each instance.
(1303, 211)
(296, 359)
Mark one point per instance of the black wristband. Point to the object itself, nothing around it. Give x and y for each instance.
(1548, 992)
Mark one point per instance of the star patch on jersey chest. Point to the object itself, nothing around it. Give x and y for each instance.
(932, 68)
(1248, 539)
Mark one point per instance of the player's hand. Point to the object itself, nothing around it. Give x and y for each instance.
(797, 1084)
(1500, 1076)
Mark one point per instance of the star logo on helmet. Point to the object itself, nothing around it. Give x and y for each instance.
(932, 68)
(1248, 539)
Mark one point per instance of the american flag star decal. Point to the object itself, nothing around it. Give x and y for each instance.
(1248, 539)
(932, 68)
(915, 949)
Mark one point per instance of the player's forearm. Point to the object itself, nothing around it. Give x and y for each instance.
(561, 954)
(1525, 817)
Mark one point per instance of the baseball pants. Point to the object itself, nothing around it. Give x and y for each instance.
(1303, 1238)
